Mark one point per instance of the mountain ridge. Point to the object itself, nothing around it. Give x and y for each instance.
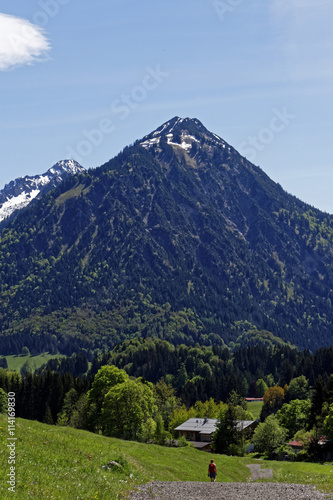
(177, 222)
(20, 192)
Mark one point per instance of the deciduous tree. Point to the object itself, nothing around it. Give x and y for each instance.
(273, 401)
(106, 378)
(294, 416)
(126, 409)
(298, 388)
(268, 436)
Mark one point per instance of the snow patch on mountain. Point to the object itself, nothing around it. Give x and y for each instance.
(186, 140)
(183, 132)
(18, 193)
(17, 202)
(150, 142)
(177, 122)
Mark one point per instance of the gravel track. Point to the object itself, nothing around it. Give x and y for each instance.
(172, 490)
(190, 490)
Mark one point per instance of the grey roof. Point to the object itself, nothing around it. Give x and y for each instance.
(201, 425)
(243, 424)
(208, 425)
(200, 445)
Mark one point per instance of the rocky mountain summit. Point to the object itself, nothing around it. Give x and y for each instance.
(18, 193)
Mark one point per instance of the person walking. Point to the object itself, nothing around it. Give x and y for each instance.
(212, 471)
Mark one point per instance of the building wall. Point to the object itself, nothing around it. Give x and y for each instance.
(190, 435)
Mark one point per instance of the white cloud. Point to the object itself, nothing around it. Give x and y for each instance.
(21, 42)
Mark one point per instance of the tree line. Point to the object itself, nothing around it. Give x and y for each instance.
(144, 388)
(116, 404)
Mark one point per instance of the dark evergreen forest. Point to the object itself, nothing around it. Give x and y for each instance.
(196, 373)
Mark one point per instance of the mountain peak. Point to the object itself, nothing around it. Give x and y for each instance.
(182, 219)
(183, 133)
(71, 167)
(20, 192)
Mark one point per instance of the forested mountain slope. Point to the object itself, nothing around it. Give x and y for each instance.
(177, 236)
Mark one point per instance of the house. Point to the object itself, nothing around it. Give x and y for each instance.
(322, 447)
(198, 431)
(296, 446)
(326, 448)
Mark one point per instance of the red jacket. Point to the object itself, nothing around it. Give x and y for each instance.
(212, 468)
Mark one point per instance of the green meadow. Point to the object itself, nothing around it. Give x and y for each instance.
(15, 363)
(64, 463)
(317, 474)
(255, 408)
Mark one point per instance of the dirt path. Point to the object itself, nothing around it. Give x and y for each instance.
(258, 473)
(158, 490)
(172, 490)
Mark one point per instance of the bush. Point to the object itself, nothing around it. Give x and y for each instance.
(236, 450)
(183, 442)
(285, 453)
(3, 401)
(302, 456)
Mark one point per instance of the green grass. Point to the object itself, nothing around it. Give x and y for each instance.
(255, 408)
(72, 193)
(15, 363)
(318, 474)
(63, 463)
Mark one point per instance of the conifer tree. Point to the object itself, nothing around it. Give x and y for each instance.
(226, 438)
(317, 401)
(48, 419)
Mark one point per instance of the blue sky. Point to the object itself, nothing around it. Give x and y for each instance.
(84, 79)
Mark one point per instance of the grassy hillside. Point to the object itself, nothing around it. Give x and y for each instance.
(60, 463)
